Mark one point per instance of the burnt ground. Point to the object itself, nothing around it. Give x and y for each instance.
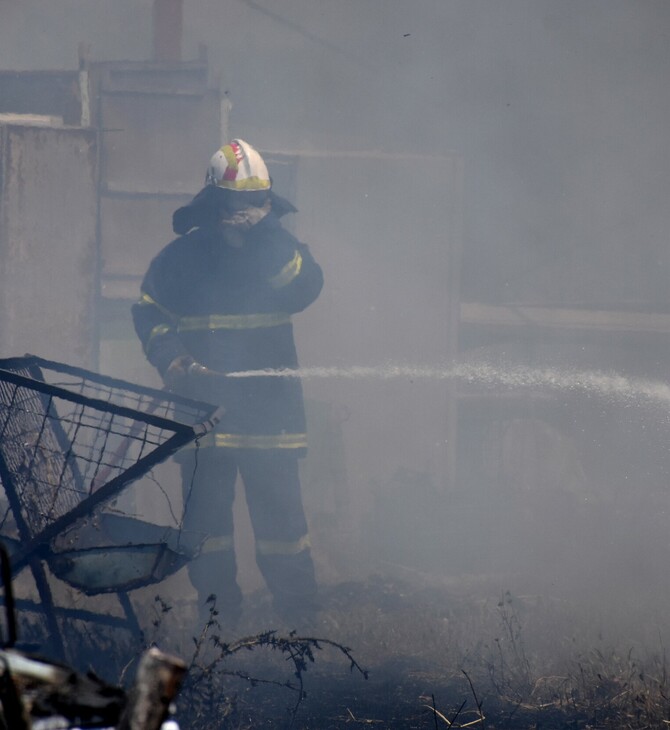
(460, 655)
(414, 652)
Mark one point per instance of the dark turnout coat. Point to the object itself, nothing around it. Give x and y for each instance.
(230, 309)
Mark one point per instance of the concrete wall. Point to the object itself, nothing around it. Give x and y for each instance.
(48, 259)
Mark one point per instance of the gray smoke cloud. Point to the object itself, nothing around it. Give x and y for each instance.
(558, 113)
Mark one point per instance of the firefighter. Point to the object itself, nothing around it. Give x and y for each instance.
(217, 300)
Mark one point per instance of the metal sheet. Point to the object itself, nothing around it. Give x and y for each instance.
(108, 529)
(158, 142)
(113, 569)
(133, 229)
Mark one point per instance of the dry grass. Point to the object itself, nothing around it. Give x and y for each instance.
(438, 657)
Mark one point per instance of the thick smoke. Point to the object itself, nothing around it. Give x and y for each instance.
(556, 115)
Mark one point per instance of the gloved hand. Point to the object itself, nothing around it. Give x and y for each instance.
(180, 369)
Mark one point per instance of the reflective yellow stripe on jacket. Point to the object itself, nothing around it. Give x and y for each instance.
(288, 273)
(228, 321)
(232, 321)
(160, 329)
(157, 331)
(146, 300)
(253, 441)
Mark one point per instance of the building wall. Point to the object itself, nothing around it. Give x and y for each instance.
(48, 251)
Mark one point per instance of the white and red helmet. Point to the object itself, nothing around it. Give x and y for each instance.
(238, 166)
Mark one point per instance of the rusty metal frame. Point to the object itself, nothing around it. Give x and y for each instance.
(35, 547)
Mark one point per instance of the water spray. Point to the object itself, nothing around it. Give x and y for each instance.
(607, 385)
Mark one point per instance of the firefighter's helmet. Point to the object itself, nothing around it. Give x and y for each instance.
(238, 166)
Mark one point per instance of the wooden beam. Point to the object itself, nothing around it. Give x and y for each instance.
(559, 318)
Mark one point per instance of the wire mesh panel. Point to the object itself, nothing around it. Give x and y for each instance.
(71, 440)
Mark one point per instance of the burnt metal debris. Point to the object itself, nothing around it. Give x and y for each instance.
(70, 441)
(39, 694)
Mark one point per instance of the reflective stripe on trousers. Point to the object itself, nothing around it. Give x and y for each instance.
(282, 547)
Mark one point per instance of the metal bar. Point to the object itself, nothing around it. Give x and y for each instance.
(55, 636)
(131, 617)
(79, 614)
(158, 92)
(10, 606)
(14, 503)
(59, 433)
(22, 556)
(104, 380)
(95, 403)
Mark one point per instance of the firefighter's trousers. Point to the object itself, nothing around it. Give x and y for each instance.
(272, 490)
